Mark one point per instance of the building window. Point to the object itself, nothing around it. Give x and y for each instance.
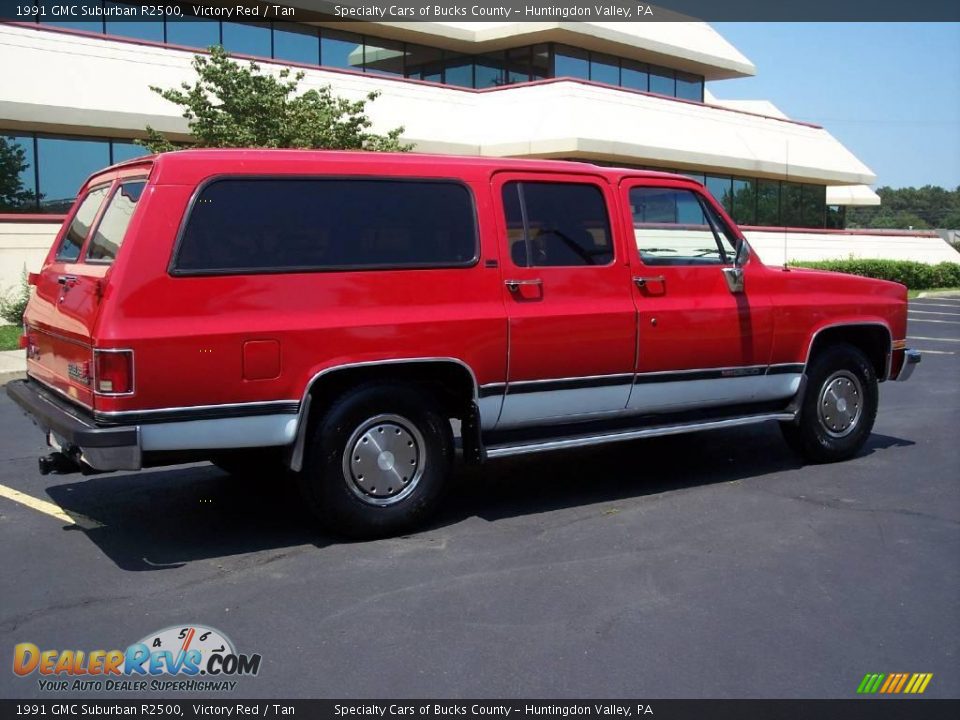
(744, 201)
(193, 32)
(813, 212)
(488, 71)
(424, 63)
(571, 62)
(768, 203)
(604, 69)
(18, 183)
(689, 87)
(662, 81)
(721, 187)
(458, 70)
(296, 43)
(64, 165)
(247, 38)
(341, 50)
(791, 204)
(383, 57)
(634, 75)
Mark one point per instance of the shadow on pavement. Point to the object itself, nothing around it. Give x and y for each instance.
(166, 518)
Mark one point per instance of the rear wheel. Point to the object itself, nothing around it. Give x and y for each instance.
(377, 461)
(839, 407)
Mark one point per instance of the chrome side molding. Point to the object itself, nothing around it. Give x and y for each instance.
(578, 441)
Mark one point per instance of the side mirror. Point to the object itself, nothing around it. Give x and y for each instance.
(734, 275)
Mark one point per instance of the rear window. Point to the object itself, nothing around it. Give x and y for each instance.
(277, 225)
(113, 225)
(69, 250)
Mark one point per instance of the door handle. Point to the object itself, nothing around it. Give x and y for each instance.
(67, 280)
(642, 282)
(515, 285)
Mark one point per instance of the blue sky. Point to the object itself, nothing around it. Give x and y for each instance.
(890, 92)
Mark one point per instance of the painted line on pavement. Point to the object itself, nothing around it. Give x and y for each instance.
(927, 351)
(48, 508)
(926, 304)
(945, 322)
(932, 312)
(932, 339)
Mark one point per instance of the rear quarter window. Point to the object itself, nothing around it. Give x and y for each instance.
(249, 225)
(72, 243)
(110, 232)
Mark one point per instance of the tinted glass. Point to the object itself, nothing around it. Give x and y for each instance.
(689, 87)
(143, 30)
(341, 50)
(566, 224)
(722, 190)
(383, 57)
(458, 71)
(604, 69)
(540, 68)
(518, 65)
(662, 81)
(571, 62)
(814, 205)
(18, 190)
(744, 201)
(64, 166)
(768, 202)
(791, 205)
(247, 39)
(489, 71)
(671, 227)
(268, 225)
(296, 43)
(127, 151)
(424, 63)
(836, 216)
(193, 32)
(113, 225)
(634, 75)
(72, 242)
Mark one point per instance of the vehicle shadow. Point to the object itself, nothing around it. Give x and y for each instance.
(164, 519)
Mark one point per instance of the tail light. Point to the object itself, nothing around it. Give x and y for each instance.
(113, 372)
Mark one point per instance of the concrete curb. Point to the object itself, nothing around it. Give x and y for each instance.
(7, 377)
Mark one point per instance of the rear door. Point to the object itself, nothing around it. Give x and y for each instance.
(63, 313)
(572, 321)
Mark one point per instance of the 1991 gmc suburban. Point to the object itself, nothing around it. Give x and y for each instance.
(331, 313)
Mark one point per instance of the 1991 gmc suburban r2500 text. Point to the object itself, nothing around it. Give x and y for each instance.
(332, 312)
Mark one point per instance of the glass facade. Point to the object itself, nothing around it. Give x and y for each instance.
(49, 169)
(350, 51)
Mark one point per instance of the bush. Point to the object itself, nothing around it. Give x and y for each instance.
(915, 275)
(14, 302)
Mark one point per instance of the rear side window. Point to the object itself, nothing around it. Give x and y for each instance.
(113, 226)
(277, 225)
(69, 250)
(557, 224)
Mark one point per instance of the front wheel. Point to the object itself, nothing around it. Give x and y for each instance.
(377, 461)
(839, 407)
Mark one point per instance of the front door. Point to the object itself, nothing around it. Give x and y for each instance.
(701, 343)
(572, 320)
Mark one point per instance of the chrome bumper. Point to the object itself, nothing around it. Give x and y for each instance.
(71, 431)
(911, 358)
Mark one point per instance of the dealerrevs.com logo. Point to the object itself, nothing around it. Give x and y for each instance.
(192, 658)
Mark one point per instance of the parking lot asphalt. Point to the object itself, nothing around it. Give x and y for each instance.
(712, 565)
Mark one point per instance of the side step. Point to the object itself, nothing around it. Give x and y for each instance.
(509, 449)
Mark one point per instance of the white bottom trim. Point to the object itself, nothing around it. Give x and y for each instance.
(241, 432)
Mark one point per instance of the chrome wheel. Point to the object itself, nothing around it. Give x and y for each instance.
(384, 459)
(840, 404)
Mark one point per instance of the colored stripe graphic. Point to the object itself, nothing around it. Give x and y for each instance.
(894, 683)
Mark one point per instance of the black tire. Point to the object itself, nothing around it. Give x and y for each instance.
(377, 434)
(839, 407)
(254, 464)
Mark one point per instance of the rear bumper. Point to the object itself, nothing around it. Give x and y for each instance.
(911, 358)
(73, 432)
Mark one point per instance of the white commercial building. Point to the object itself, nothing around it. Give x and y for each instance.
(635, 94)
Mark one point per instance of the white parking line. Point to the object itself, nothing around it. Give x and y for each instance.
(927, 351)
(946, 322)
(932, 339)
(926, 304)
(933, 312)
(48, 508)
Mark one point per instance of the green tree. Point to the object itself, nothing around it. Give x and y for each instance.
(13, 162)
(234, 106)
(927, 207)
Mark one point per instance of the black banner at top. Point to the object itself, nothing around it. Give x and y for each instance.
(400, 11)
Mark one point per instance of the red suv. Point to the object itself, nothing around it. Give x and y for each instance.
(352, 317)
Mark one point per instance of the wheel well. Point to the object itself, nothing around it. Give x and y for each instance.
(451, 384)
(872, 340)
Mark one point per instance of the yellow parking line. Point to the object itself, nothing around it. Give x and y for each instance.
(48, 508)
